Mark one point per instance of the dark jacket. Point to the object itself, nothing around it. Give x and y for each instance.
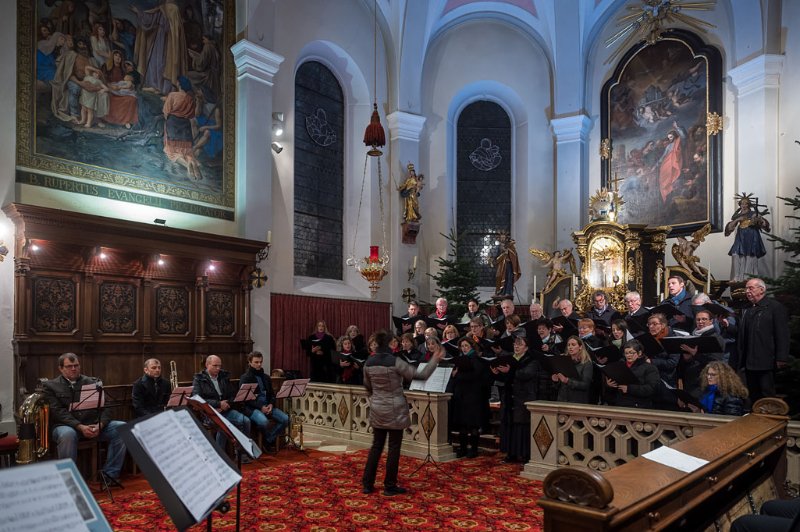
(202, 386)
(264, 395)
(149, 395)
(525, 387)
(690, 370)
(639, 395)
(608, 315)
(384, 374)
(684, 306)
(60, 394)
(577, 390)
(763, 336)
(470, 402)
(321, 365)
(729, 405)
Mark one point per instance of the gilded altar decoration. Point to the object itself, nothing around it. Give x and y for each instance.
(605, 149)
(684, 252)
(604, 205)
(410, 191)
(557, 262)
(649, 21)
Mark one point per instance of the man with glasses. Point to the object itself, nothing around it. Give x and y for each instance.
(70, 426)
(763, 341)
(692, 361)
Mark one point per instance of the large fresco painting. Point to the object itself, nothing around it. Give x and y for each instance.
(131, 100)
(664, 161)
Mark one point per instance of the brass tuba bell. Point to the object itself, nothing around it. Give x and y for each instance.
(33, 433)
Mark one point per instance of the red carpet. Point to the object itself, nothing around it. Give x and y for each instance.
(324, 494)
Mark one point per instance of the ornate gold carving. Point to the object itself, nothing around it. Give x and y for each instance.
(604, 205)
(605, 149)
(557, 261)
(714, 123)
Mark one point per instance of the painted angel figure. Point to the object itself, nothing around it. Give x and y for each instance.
(684, 250)
(557, 262)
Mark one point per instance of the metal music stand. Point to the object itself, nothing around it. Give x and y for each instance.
(427, 428)
(92, 398)
(289, 389)
(178, 396)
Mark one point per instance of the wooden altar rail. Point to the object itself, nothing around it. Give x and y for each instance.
(339, 413)
(744, 463)
(603, 437)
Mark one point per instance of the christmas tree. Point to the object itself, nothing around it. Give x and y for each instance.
(457, 278)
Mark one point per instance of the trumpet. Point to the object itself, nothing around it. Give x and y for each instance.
(34, 414)
(173, 374)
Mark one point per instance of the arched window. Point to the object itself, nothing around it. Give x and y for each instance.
(318, 172)
(483, 182)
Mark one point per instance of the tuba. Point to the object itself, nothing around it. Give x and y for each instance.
(34, 415)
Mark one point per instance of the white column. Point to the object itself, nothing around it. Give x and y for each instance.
(570, 195)
(255, 70)
(404, 135)
(756, 118)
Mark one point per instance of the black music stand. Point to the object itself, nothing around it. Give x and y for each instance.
(92, 397)
(179, 396)
(427, 431)
(289, 389)
(202, 407)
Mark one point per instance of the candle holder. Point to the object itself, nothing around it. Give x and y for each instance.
(263, 254)
(372, 268)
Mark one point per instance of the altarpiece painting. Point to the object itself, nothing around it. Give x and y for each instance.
(131, 100)
(663, 157)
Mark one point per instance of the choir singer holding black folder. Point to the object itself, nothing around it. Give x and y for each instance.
(69, 426)
(384, 374)
(640, 389)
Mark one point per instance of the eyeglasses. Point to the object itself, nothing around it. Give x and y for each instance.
(709, 374)
(70, 366)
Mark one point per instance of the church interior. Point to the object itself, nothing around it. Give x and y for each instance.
(189, 178)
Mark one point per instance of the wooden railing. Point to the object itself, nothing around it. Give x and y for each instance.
(603, 437)
(335, 412)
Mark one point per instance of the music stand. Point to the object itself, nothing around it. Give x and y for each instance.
(200, 406)
(92, 398)
(426, 429)
(289, 389)
(179, 396)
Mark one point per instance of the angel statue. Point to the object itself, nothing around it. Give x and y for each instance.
(557, 262)
(684, 250)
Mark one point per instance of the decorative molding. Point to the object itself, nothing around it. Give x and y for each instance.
(760, 73)
(405, 126)
(571, 128)
(254, 62)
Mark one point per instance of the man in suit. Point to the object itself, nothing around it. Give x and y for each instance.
(151, 391)
(214, 385)
(763, 342)
(70, 426)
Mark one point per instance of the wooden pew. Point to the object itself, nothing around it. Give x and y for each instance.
(746, 466)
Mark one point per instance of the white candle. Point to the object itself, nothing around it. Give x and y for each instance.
(534, 287)
(414, 263)
(658, 283)
(708, 280)
(574, 285)
(269, 237)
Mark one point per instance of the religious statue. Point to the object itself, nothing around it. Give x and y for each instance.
(507, 263)
(410, 190)
(557, 261)
(748, 222)
(684, 250)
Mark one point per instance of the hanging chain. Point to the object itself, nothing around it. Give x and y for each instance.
(380, 202)
(360, 201)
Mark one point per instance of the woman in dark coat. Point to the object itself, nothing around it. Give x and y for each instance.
(515, 428)
(323, 346)
(576, 390)
(471, 382)
(641, 394)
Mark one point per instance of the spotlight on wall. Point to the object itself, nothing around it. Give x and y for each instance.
(276, 147)
(98, 252)
(160, 260)
(277, 125)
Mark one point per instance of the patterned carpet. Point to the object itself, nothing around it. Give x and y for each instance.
(324, 494)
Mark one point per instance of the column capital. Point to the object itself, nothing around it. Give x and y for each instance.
(405, 126)
(255, 62)
(762, 72)
(571, 128)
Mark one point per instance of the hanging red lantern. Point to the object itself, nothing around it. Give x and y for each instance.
(374, 135)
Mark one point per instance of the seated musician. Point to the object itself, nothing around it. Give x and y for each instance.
(777, 515)
(641, 394)
(70, 426)
(151, 391)
(214, 385)
(262, 408)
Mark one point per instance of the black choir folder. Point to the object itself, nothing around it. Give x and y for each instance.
(190, 474)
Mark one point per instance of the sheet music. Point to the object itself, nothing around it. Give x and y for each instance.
(247, 444)
(437, 382)
(90, 395)
(189, 463)
(676, 459)
(35, 497)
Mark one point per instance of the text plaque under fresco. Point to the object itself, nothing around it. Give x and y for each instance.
(100, 191)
